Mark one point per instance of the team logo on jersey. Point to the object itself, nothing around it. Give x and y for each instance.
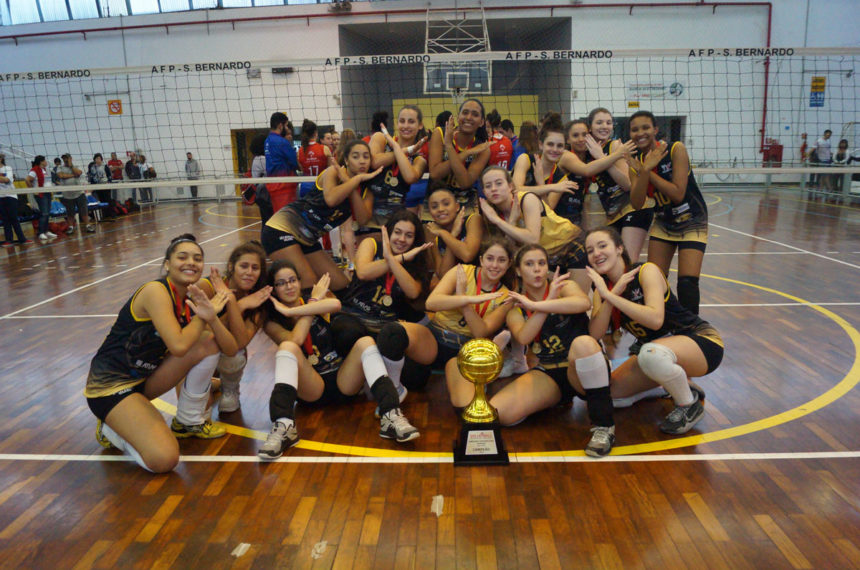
(666, 168)
(637, 294)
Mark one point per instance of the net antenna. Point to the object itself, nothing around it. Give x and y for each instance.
(456, 31)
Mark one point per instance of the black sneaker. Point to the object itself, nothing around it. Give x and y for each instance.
(602, 440)
(683, 418)
(282, 437)
(635, 347)
(394, 425)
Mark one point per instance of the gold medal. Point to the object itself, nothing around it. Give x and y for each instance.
(387, 300)
(314, 359)
(536, 347)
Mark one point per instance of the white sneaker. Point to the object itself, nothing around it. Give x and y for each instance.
(229, 397)
(394, 425)
(51, 235)
(514, 365)
(282, 437)
(70, 229)
(43, 237)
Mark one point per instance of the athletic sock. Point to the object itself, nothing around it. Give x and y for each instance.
(385, 394)
(394, 367)
(194, 394)
(593, 374)
(282, 402)
(373, 365)
(502, 339)
(124, 446)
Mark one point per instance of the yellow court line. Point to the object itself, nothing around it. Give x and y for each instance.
(851, 379)
(206, 211)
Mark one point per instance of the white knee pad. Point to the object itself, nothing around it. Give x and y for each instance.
(232, 364)
(657, 361)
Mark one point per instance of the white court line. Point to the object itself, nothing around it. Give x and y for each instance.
(710, 253)
(709, 305)
(855, 266)
(450, 458)
(82, 287)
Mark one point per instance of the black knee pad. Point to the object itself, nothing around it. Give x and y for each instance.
(346, 330)
(392, 341)
(688, 292)
(415, 375)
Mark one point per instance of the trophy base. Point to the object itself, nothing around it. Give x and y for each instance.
(480, 444)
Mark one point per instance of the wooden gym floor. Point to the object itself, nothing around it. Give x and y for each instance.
(768, 479)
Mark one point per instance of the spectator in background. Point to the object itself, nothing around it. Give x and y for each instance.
(115, 165)
(132, 173)
(824, 156)
(345, 136)
(57, 164)
(326, 138)
(335, 141)
(147, 172)
(281, 160)
(258, 170)
(38, 178)
(508, 131)
(9, 206)
(73, 200)
(97, 174)
(840, 157)
(501, 148)
(192, 172)
(527, 141)
(379, 118)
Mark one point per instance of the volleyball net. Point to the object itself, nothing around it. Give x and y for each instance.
(740, 112)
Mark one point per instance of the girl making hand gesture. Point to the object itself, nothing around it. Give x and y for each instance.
(663, 172)
(551, 318)
(457, 235)
(391, 273)
(293, 232)
(154, 344)
(677, 344)
(316, 366)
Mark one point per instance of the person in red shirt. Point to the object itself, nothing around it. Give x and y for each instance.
(501, 148)
(116, 166)
(314, 157)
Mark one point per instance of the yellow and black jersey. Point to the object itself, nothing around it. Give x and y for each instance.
(676, 319)
(318, 347)
(552, 344)
(454, 320)
(309, 217)
(377, 301)
(691, 213)
(132, 350)
(442, 247)
(389, 193)
(569, 206)
(557, 234)
(465, 196)
(614, 199)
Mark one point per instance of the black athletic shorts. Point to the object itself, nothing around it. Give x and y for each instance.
(102, 406)
(636, 219)
(684, 244)
(559, 376)
(274, 240)
(331, 393)
(709, 342)
(448, 343)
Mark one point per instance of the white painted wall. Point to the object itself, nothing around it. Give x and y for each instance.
(166, 115)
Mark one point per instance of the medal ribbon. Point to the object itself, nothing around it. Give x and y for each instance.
(308, 345)
(180, 308)
(479, 308)
(389, 283)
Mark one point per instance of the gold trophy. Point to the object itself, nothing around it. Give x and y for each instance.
(480, 362)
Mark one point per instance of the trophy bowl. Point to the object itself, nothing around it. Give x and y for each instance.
(480, 362)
